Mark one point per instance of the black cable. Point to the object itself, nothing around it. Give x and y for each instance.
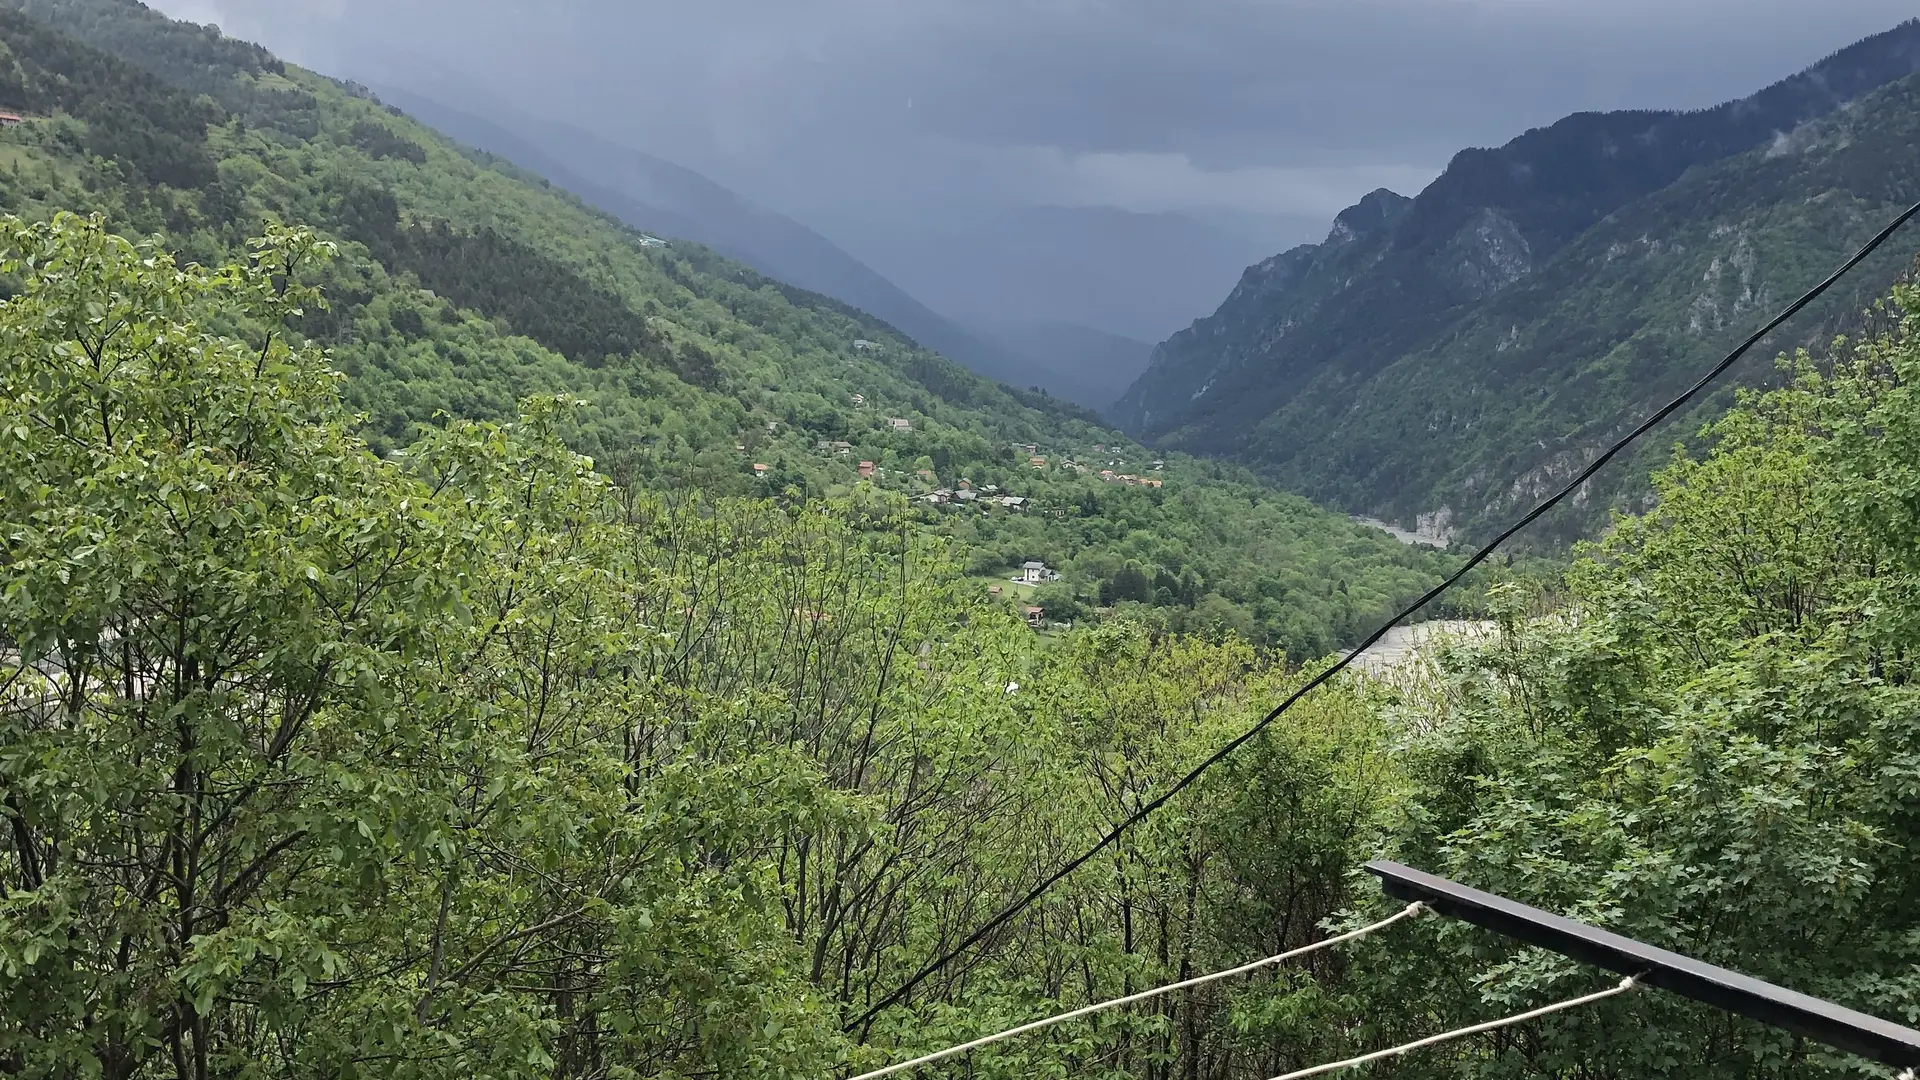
(1478, 557)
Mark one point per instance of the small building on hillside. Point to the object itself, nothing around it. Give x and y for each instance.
(1036, 573)
(1037, 461)
(760, 470)
(863, 345)
(1036, 617)
(866, 470)
(898, 423)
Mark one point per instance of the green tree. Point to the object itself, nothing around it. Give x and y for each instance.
(319, 764)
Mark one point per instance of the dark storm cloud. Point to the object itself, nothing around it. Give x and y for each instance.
(1272, 107)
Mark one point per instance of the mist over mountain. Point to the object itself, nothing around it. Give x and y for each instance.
(673, 201)
(1139, 275)
(1086, 366)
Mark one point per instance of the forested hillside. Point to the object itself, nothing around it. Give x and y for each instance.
(465, 284)
(1454, 354)
(464, 761)
(667, 199)
(354, 723)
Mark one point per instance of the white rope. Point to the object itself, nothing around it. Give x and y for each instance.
(987, 1040)
(1621, 987)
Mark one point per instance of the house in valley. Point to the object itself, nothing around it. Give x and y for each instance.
(1036, 573)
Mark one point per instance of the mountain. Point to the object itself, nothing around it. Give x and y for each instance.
(465, 284)
(1086, 366)
(672, 201)
(1136, 275)
(1450, 355)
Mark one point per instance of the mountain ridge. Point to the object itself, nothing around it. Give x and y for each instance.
(1306, 336)
(643, 190)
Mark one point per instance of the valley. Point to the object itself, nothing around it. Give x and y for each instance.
(484, 602)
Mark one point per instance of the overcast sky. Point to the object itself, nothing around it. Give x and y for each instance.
(903, 128)
(1267, 107)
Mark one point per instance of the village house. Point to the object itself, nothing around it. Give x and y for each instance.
(1037, 462)
(866, 470)
(964, 495)
(1036, 573)
(1036, 617)
(859, 399)
(843, 448)
(862, 345)
(1014, 502)
(760, 470)
(899, 423)
(993, 591)
(966, 485)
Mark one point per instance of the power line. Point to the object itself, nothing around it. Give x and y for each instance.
(988, 1040)
(1340, 665)
(1620, 987)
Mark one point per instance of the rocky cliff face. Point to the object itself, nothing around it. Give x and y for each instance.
(1273, 298)
(1308, 336)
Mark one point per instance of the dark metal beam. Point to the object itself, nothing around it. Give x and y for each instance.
(1837, 1026)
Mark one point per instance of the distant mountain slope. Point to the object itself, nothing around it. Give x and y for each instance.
(1086, 366)
(1138, 275)
(1318, 343)
(672, 201)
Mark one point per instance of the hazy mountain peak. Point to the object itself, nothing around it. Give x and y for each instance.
(1378, 209)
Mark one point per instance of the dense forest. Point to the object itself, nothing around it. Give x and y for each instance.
(467, 760)
(404, 674)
